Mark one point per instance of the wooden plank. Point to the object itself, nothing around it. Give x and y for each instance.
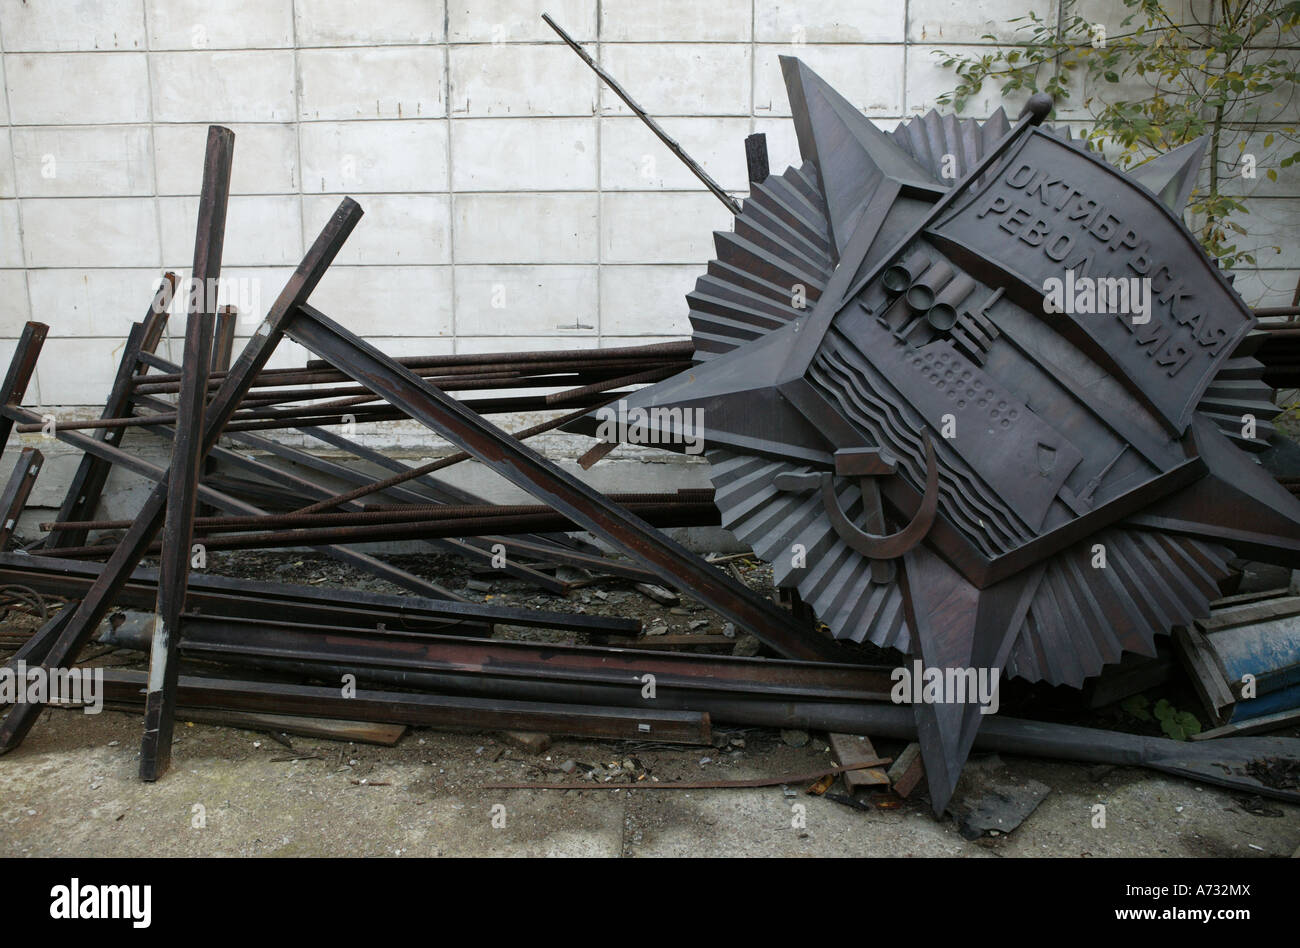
(359, 732)
(1268, 651)
(1244, 598)
(1251, 613)
(907, 770)
(1207, 677)
(851, 749)
(665, 597)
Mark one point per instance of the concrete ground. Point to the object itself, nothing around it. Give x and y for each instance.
(71, 790)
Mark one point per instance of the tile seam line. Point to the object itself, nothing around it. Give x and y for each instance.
(451, 184)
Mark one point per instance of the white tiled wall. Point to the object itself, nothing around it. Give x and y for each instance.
(511, 202)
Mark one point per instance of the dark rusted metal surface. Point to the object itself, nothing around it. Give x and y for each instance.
(447, 713)
(19, 375)
(756, 157)
(87, 483)
(868, 302)
(187, 454)
(17, 490)
(223, 339)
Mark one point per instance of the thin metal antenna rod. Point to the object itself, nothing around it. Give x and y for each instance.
(732, 204)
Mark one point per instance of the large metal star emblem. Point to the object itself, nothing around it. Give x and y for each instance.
(979, 396)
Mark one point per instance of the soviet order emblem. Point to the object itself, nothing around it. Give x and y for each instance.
(1007, 429)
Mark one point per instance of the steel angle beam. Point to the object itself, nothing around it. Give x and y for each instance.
(21, 368)
(187, 453)
(17, 490)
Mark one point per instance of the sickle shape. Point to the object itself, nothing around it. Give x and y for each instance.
(890, 545)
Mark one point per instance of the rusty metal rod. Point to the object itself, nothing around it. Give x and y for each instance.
(442, 463)
(411, 513)
(267, 410)
(729, 202)
(674, 515)
(651, 375)
(482, 406)
(282, 396)
(486, 406)
(446, 713)
(319, 370)
(453, 381)
(157, 384)
(691, 495)
(657, 350)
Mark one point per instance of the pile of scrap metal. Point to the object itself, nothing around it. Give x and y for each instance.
(929, 465)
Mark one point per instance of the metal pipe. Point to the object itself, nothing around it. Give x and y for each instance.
(943, 314)
(727, 200)
(920, 296)
(899, 276)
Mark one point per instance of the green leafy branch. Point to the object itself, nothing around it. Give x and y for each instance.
(1161, 82)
